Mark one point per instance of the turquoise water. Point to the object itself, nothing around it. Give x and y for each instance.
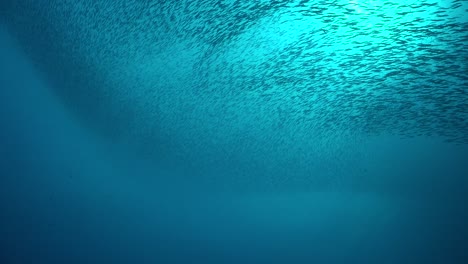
(233, 131)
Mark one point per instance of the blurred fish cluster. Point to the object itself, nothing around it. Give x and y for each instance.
(290, 82)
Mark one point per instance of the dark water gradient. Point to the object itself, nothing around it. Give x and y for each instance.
(70, 195)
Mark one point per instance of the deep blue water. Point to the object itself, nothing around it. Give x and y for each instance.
(233, 131)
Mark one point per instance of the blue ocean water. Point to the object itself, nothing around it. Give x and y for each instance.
(233, 131)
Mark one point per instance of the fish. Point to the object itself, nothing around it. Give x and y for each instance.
(228, 80)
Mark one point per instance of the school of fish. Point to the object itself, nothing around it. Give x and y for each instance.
(233, 83)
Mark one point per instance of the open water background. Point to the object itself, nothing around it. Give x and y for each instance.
(233, 131)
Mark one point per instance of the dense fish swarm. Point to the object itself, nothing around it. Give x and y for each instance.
(234, 82)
